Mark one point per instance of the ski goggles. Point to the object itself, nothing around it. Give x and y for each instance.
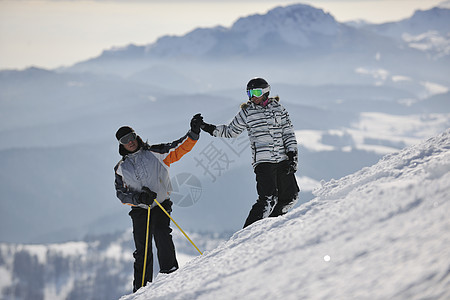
(257, 92)
(128, 138)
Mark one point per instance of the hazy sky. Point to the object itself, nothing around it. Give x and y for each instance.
(49, 34)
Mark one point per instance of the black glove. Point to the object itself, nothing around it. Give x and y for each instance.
(146, 196)
(292, 162)
(196, 122)
(209, 128)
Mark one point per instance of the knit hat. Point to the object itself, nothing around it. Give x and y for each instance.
(124, 130)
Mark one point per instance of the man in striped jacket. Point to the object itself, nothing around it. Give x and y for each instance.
(274, 150)
(141, 176)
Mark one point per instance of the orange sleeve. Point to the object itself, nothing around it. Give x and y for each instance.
(177, 153)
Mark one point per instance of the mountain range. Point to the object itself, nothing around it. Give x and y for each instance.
(271, 42)
(342, 85)
(354, 93)
(296, 30)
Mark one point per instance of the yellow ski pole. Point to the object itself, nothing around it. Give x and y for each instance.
(178, 227)
(146, 245)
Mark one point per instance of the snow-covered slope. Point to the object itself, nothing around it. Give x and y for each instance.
(380, 233)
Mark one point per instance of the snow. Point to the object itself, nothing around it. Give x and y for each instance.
(70, 248)
(398, 78)
(362, 237)
(389, 131)
(115, 251)
(311, 140)
(434, 88)
(307, 183)
(294, 24)
(378, 74)
(41, 250)
(6, 278)
(380, 233)
(409, 129)
(59, 292)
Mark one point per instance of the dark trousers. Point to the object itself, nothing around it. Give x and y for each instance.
(160, 231)
(277, 191)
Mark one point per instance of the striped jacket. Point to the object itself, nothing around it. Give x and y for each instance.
(149, 166)
(269, 129)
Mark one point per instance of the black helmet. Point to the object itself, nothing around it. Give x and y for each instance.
(256, 83)
(258, 87)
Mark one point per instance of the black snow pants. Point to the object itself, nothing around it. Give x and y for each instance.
(277, 191)
(161, 232)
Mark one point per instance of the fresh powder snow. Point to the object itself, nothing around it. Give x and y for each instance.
(380, 233)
